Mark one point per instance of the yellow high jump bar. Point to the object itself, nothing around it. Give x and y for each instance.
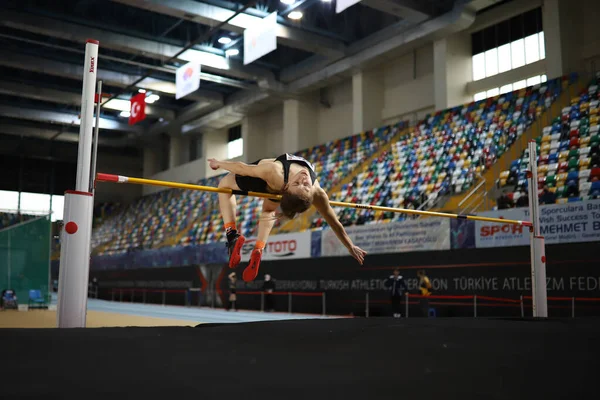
(141, 181)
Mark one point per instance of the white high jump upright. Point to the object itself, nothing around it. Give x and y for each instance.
(538, 251)
(79, 203)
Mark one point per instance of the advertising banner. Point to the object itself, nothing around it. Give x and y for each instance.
(261, 39)
(394, 237)
(281, 247)
(187, 79)
(341, 5)
(559, 223)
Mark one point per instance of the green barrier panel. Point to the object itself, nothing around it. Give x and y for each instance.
(25, 257)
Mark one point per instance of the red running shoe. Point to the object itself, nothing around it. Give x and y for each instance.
(234, 247)
(251, 271)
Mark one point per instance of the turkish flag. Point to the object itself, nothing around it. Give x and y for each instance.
(138, 108)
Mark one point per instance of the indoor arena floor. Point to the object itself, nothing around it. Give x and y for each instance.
(350, 358)
(102, 313)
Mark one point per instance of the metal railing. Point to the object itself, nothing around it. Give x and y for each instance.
(479, 301)
(467, 205)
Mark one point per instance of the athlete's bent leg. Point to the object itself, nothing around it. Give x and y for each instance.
(265, 225)
(227, 205)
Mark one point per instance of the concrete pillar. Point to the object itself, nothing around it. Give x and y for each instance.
(175, 151)
(246, 139)
(551, 21)
(299, 124)
(184, 155)
(151, 161)
(367, 100)
(571, 36)
(453, 69)
(254, 147)
(291, 124)
(214, 145)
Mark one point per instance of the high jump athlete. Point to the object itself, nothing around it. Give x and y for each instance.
(292, 177)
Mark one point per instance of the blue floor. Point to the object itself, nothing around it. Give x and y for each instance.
(192, 314)
(195, 314)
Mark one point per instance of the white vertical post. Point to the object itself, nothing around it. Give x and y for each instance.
(84, 155)
(538, 254)
(8, 262)
(74, 259)
(96, 129)
(522, 308)
(79, 204)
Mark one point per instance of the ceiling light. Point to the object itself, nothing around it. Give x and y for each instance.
(117, 104)
(325, 1)
(295, 15)
(224, 40)
(141, 90)
(204, 58)
(125, 114)
(288, 2)
(232, 52)
(152, 98)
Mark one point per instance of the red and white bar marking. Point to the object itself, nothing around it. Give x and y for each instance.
(111, 178)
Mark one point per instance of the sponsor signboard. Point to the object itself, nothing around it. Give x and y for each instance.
(394, 237)
(559, 223)
(281, 247)
(261, 39)
(187, 79)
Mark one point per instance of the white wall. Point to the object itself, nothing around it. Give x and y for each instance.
(300, 123)
(190, 172)
(119, 165)
(263, 134)
(367, 97)
(501, 13)
(408, 83)
(590, 32)
(214, 145)
(179, 150)
(453, 70)
(335, 122)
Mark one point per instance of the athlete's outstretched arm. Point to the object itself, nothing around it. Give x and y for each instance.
(321, 203)
(262, 171)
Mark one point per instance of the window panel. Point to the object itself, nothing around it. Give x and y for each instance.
(58, 207)
(517, 49)
(542, 44)
(9, 201)
(534, 80)
(235, 148)
(35, 203)
(520, 85)
(493, 92)
(504, 63)
(506, 88)
(479, 96)
(544, 78)
(532, 49)
(491, 62)
(477, 43)
(478, 66)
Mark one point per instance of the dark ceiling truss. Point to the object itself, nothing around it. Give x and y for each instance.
(143, 42)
